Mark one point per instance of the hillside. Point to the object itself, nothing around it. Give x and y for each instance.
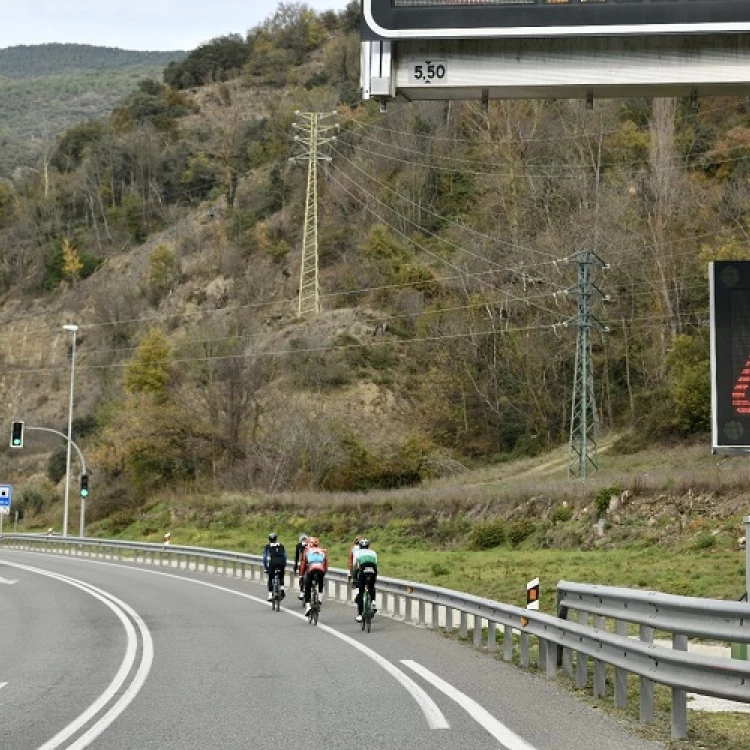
(46, 89)
(44, 60)
(171, 231)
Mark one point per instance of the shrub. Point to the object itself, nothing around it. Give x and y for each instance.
(603, 496)
(487, 534)
(438, 569)
(518, 531)
(705, 541)
(57, 464)
(561, 514)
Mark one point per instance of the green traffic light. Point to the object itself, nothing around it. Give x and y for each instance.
(16, 442)
(84, 493)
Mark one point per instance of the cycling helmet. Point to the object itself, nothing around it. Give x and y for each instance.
(303, 537)
(364, 543)
(272, 537)
(313, 541)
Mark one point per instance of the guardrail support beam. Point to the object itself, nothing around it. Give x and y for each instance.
(600, 667)
(621, 675)
(491, 636)
(477, 632)
(525, 651)
(647, 686)
(507, 643)
(679, 697)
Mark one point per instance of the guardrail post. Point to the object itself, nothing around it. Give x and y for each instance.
(621, 675)
(582, 670)
(552, 655)
(407, 609)
(477, 631)
(464, 627)
(491, 636)
(600, 667)
(396, 605)
(543, 647)
(647, 685)
(449, 619)
(679, 697)
(507, 643)
(567, 662)
(420, 610)
(525, 651)
(435, 618)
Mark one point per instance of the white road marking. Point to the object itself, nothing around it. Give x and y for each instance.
(498, 730)
(5, 580)
(432, 713)
(119, 608)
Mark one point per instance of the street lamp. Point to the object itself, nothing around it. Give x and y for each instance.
(73, 329)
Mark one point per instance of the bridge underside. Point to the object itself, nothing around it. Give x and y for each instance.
(601, 67)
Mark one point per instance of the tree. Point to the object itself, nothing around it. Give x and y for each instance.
(72, 265)
(150, 370)
(163, 273)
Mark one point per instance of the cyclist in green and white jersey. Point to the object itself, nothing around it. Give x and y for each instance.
(365, 574)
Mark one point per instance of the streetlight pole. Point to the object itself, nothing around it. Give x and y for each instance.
(74, 330)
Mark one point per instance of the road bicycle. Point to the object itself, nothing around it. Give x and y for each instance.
(312, 615)
(367, 606)
(276, 593)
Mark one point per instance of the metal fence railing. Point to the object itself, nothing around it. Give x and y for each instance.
(560, 641)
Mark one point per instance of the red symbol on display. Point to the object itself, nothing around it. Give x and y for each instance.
(740, 401)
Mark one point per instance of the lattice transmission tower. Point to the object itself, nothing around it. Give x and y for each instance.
(584, 424)
(311, 134)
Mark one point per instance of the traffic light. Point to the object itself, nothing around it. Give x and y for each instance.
(84, 485)
(16, 435)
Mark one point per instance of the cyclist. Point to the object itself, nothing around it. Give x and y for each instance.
(313, 566)
(365, 574)
(301, 547)
(274, 558)
(352, 552)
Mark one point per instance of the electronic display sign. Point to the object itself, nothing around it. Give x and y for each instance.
(463, 19)
(730, 354)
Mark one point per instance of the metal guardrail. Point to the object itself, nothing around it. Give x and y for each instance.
(683, 617)
(558, 639)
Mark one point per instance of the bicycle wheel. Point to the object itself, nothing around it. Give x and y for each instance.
(365, 608)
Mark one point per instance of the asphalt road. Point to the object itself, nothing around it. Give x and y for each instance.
(114, 657)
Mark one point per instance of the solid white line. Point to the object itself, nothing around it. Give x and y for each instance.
(432, 713)
(118, 607)
(499, 731)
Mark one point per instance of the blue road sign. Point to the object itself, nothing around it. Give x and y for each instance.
(6, 494)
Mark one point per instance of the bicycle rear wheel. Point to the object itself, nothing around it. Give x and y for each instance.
(365, 608)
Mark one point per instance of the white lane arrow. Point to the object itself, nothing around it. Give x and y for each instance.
(10, 583)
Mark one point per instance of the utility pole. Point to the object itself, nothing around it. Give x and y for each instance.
(311, 135)
(582, 448)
